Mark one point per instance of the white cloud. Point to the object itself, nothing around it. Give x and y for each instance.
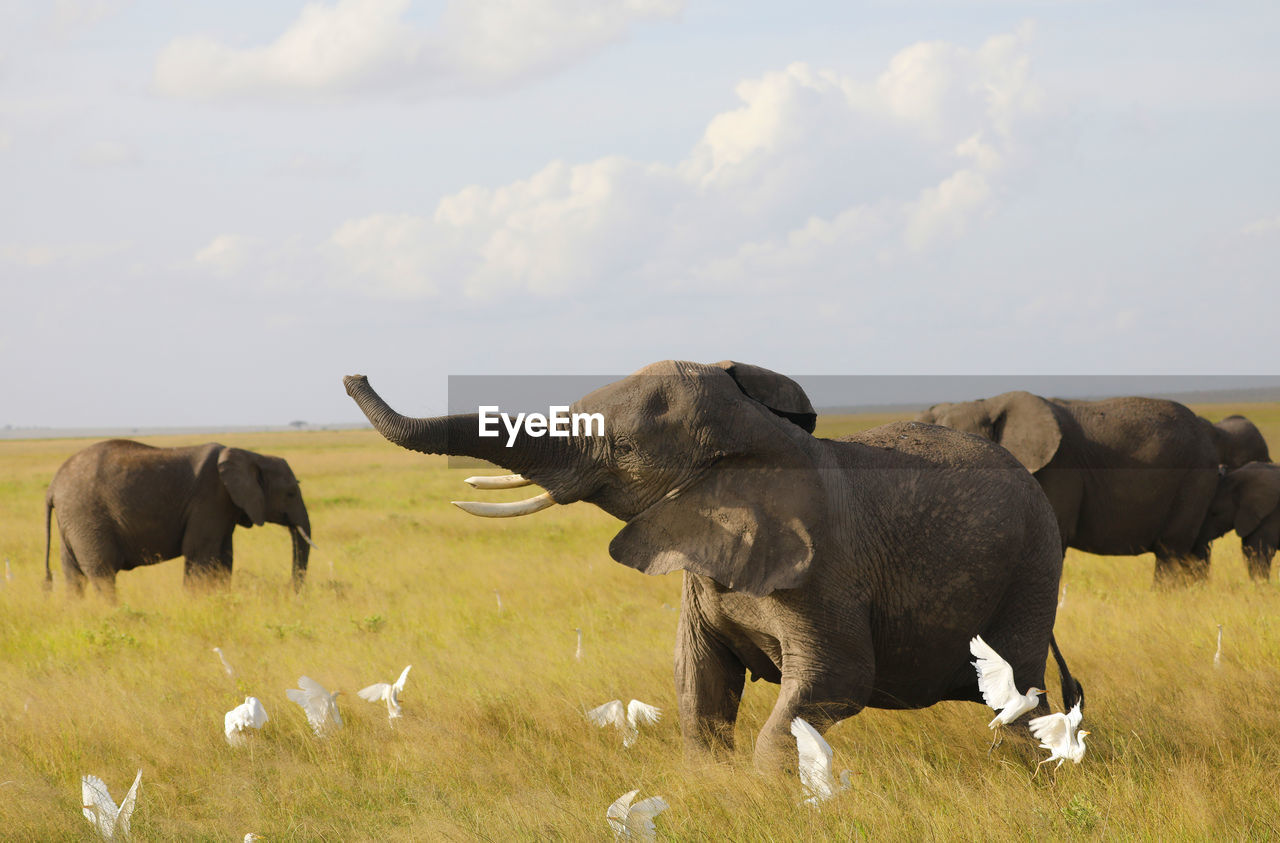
(813, 177)
(104, 154)
(227, 253)
(1265, 226)
(357, 45)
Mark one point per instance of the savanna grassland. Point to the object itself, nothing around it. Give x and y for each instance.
(493, 744)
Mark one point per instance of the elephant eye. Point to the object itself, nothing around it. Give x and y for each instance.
(623, 447)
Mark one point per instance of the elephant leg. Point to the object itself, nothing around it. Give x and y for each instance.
(1258, 553)
(104, 581)
(709, 680)
(71, 569)
(208, 569)
(822, 691)
(1180, 570)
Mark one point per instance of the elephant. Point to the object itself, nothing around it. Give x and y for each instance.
(1238, 442)
(1248, 501)
(851, 572)
(1124, 475)
(122, 504)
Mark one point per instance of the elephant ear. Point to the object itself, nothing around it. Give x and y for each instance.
(783, 396)
(749, 521)
(240, 475)
(1026, 426)
(1257, 495)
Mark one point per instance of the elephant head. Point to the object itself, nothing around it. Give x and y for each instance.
(1238, 441)
(264, 490)
(1024, 424)
(699, 461)
(1248, 501)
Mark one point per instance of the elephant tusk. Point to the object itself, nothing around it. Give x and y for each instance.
(501, 481)
(506, 510)
(305, 537)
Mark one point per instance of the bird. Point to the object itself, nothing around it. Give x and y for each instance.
(386, 691)
(499, 596)
(250, 837)
(225, 664)
(995, 681)
(1217, 657)
(320, 705)
(101, 811)
(815, 763)
(1058, 733)
(628, 723)
(578, 655)
(249, 714)
(8, 576)
(1062, 598)
(635, 822)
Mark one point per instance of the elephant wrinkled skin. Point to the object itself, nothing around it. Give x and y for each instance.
(121, 504)
(853, 573)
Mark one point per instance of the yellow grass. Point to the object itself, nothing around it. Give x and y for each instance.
(493, 743)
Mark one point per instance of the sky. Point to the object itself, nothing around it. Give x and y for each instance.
(211, 212)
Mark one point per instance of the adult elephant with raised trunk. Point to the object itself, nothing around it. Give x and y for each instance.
(121, 504)
(853, 573)
(1124, 475)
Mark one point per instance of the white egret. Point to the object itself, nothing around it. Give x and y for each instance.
(225, 664)
(499, 596)
(1058, 733)
(101, 811)
(1217, 657)
(635, 822)
(8, 576)
(320, 706)
(628, 722)
(578, 654)
(248, 715)
(995, 681)
(390, 692)
(1062, 598)
(250, 837)
(815, 763)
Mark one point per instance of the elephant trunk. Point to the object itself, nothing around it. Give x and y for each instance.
(300, 532)
(537, 459)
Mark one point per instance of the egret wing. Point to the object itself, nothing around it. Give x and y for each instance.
(1052, 730)
(98, 806)
(375, 692)
(257, 715)
(638, 712)
(399, 684)
(1074, 716)
(995, 675)
(815, 758)
(639, 823)
(616, 816)
(650, 807)
(611, 712)
(126, 807)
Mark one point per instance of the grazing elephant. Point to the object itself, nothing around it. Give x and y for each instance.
(1248, 501)
(122, 504)
(853, 573)
(1124, 475)
(1238, 442)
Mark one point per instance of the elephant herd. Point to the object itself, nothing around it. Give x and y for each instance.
(852, 572)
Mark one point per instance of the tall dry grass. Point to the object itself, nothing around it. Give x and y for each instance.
(494, 745)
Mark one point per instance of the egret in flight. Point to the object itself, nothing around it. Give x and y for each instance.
(248, 715)
(1059, 733)
(390, 692)
(101, 811)
(995, 681)
(635, 822)
(815, 763)
(628, 722)
(320, 706)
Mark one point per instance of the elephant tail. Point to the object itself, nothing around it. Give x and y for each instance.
(1072, 690)
(48, 524)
